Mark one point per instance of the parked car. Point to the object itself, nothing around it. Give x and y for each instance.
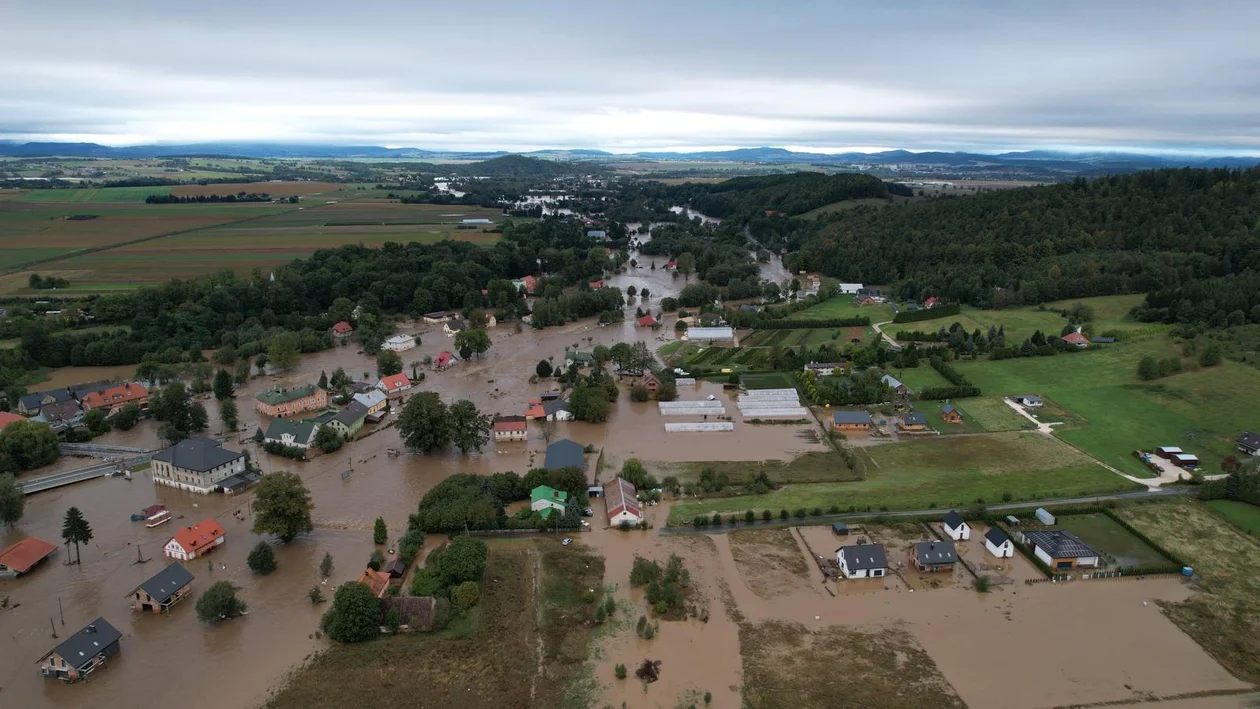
(566, 541)
(588, 512)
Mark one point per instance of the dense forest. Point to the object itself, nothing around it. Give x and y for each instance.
(1125, 234)
(790, 194)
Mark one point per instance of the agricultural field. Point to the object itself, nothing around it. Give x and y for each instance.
(209, 237)
(842, 306)
(944, 472)
(1113, 414)
(1224, 620)
(1240, 514)
(1110, 316)
(519, 616)
(1119, 546)
(275, 189)
(95, 194)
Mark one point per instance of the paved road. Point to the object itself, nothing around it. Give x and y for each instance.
(1006, 506)
(879, 329)
(99, 449)
(69, 477)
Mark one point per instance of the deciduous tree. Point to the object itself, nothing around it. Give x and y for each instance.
(219, 602)
(355, 615)
(424, 423)
(12, 500)
(470, 429)
(282, 506)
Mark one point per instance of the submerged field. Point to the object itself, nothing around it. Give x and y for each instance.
(937, 472)
(203, 238)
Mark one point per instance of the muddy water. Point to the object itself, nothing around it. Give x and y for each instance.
(255, 651)
(69, 376)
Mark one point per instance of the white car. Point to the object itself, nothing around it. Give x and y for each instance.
(566, 541)
(585, 523)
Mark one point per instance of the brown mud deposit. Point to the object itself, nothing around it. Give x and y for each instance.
(770, 561)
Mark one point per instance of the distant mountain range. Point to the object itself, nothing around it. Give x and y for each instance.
(1035, 161)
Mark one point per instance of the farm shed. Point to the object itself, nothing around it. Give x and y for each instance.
(860, 561)
(1168, 452)
(1028, 400)
(24, 556)
(851, 421)
(956, 527)
(998, 544)
(622, 502)
(840, 529)
(564, 453)
(1186, 460)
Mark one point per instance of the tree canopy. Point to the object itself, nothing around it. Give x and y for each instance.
(282, 506)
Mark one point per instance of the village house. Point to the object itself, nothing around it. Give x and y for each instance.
(530, 284)
(80, 654)
(930, 303)
(534, 410)
(543, 499)
(860, 561)
(1076, 338)
(595, 285)
(951, 414)
(445, 360)
(7, 418)
(196, 465)
(557, 410)
(376, 581)
(1061, 550)
(374, 401)
(863, 300)
(195, 541)
(452, 327)
(342, 330)
(823, 369)
(437, 318)
(399, 343)
(913, 421)
(163, 590)
(60, 416)
(394, 384)
(1248, 443)
(647, 321)
(998, 544)
(898, 389)
(114, 398)
(622, 503)
(510, 428)
(349, 421)
(851, 421)
(1029, 400)
(955, 527)
(24, 556)
(934, 556)
(282, 403)
(30, 404)
(576, 358)
(650, 382)
(290, 433)
(848, 288)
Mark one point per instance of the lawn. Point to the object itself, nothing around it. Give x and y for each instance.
(1242, 515)
(1201, 411)
(944, 472)
(1224, 620)
(920, 377)
(990, 413)
(773, 380)
(518, 639)
(1106, 536)
(1110, 316)
(932, 410)
(807, 468)
(842, 306)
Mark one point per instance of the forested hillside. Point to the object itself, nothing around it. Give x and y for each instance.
(1150, 231)
(791, 194)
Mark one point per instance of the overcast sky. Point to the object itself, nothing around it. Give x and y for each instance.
(828, 76)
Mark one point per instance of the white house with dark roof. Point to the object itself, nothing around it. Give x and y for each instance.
(1061, 550)
(860, 561)
(955, 527)
(998, 544)
(196, 465)
(1248, 443)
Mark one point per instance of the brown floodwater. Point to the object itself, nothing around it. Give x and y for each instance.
(176, 659)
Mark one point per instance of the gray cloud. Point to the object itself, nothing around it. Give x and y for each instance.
(1126, 74)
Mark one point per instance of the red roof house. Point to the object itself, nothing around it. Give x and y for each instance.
(21, 557)
(647, 321)
(115, 397)
(394, 383)
(444, 360)
(596, 284)
(534, 410)
(930, 302)
(671, 264)
(1076, 338)
(7, 418)
(377, 581)
(530, 284)
(623, 503)
(197, 540)
(342, 329)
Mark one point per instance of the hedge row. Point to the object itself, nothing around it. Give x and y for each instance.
(828, 323)
(939, 311)
(942, 393)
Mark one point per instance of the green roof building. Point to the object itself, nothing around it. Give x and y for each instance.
(544, 499)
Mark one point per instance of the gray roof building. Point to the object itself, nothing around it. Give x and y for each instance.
(564, 453)
(1059, 544)
(914, 418)
(162, 585)
(352, 414)
(851, 417)
(864, 557)
(32, 402)
(996, 536)
(83, 647)
(953, 520)
(932, 553)
(197, 454)
(554, 405)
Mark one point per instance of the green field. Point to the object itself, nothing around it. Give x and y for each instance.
(920, 377)
(1105, 535)
(1201, 411)
(944, 472)
(98, 194)
(845, 206)
(842, 306)
(774, 380)
(1242, 515)
(1110, 315)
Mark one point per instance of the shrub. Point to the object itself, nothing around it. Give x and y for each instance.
(649, 632)
(261, 559)
(717, 519)
(465, 596)
(833, 510)
(620, 671)
(817, 512)
(982, 584)
(644, 571)
(316, 595)
(355, 615)
(600, 614)
(783, 514)
(750, 516)
(640, 625)
(376, 561)
(326, 566)
(392, 621)
(767, 515)
(219, 602)
(699, 521)
(380, 534)
(427, 582)
(799, 513)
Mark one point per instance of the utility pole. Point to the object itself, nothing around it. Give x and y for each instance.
(53, 626)
(61, 611)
